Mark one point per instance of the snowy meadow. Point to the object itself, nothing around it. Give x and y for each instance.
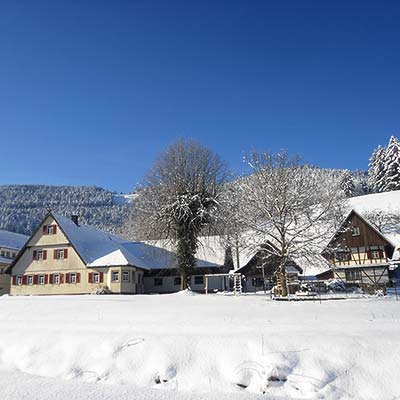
(190, 346)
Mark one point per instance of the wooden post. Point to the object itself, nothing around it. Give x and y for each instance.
(206, 284)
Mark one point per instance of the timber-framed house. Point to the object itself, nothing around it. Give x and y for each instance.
(359, 254)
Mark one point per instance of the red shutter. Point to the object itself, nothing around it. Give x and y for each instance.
(78, 277)
(381, 254)
(24, 279)
(55, 254)
(14, 280)
(67, 277)
(44, 229)
(35, 279)
(44, 254)
(46, 279)
(51, 278)
(35, 254)
(90, 277)
(54, 229)
(61, 278)
(101, 277)
(369, 255)
(65, 253)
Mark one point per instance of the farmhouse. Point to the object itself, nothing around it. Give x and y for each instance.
(10, 245)
(359, 254)
(64, 256)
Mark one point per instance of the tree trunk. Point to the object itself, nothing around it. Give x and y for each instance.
(282, 276)
(183, 282)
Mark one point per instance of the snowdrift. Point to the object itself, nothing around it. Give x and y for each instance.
(197, 346)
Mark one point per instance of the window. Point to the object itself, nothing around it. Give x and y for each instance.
(41, 279)
(177, 281)
(125, 276)
(49, 229)
(198, 280)
(72, 278)
(353, 275)
(56, 279)
(3, 253)
(19, 280)
(344, 256)
(96, 277)
(8, 255)
(60, 254)
(355, 231)
(158, 281)
(13, 255)
(375, 254)
(114, 276)
(39, 255)
(30, 280)
(258, 282)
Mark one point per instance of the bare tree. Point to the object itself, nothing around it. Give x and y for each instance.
(290, 205)
(385, 221)
(180, 200)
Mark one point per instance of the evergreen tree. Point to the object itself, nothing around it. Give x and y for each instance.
(376, 172)
(347, 183)
(392, 165)
(228, 262)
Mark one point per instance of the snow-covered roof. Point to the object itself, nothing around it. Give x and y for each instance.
(12, 240)
(99, 249)
(213, 248)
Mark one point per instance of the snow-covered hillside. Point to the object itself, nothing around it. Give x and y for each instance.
(23, 206)
(198, 346)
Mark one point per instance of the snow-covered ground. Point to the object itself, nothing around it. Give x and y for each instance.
(198, 347)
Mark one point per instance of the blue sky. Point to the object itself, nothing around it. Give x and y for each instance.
(92, 91)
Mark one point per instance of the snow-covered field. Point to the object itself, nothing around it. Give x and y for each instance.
(184, 346)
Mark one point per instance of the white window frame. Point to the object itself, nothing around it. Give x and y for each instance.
(375, 254)
(62, 253)
(41, 279)
(29, 280)
(50, 230)
(72, 277)
(113, 275)
(355, 231)
(39, 255)
(96, 277)
(125, 276)
(56, 277)
(19, 280)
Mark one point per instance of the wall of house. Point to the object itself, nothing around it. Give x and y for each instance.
(84, 286)
(362, 255)
(4, 284)
(168, 284)
(363, 275)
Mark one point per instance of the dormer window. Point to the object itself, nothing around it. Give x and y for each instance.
(355, 231)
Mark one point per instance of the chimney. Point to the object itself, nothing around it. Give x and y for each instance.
(75, 219)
